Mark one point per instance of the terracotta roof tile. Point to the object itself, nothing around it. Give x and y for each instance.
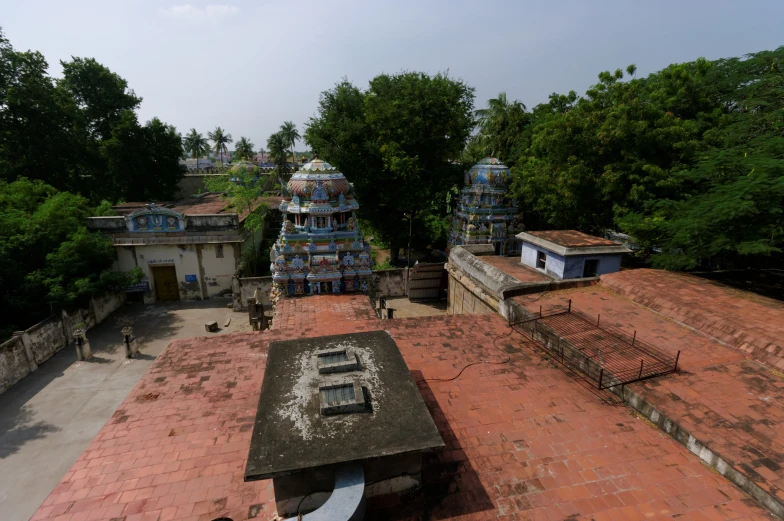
(572, 238)
(523, 440)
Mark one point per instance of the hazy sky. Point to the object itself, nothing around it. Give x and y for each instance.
(248, 66)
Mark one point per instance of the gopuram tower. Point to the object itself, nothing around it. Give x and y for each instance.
(320, 248)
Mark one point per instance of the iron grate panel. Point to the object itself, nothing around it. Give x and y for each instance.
(605, 354)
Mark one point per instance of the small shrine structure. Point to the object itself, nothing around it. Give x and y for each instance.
(485, 213)
(320, 248)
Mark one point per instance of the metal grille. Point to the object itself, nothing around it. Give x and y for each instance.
(603, 353)
(334, 358)
(341, 394)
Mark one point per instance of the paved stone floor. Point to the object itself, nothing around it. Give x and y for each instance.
(405, 308)
(723, 397)
(523, 440)
(50, 417)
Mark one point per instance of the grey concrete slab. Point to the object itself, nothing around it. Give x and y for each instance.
(49, 418)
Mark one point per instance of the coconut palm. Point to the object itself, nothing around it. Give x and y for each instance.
(220, 139)
(290, 136)
(244, 149)
(499, 119)
(196, 145)
(277, 144)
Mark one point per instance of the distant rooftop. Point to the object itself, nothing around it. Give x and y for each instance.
(572, 238)
(572, 242)
(207, 204)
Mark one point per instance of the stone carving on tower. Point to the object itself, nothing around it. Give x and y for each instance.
(485, 214)
(320, 248)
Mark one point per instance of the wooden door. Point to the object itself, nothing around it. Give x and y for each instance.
(165, 278)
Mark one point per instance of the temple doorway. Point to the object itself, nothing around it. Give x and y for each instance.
(165, 280)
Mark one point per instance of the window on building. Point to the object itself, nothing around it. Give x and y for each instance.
(541, 260)
(590, 268)
(219, 251)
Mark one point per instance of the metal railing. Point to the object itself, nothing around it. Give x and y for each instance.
(605, 354)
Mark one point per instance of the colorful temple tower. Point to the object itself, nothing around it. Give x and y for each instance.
(320, 248)
(485, 214)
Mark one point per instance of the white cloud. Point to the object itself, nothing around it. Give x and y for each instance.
(191, 11)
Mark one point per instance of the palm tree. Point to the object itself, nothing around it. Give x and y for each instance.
(290, 136)
(221, 139)
(277, 144)
(494, 120)
(244, 149)
(196, 145)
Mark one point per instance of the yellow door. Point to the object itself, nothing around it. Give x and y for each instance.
(165, 278)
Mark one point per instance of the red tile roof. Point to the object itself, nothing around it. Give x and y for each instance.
(572, 238)
(514, 268)
(523, 440)
(731, 404)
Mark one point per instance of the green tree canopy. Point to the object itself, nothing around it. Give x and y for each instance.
(48, 259)
(61, 131)
(400, 143)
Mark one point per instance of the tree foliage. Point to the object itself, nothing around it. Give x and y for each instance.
(400, 143)
(196, 145)
(290, 135)
(64, 131)
(48, 259)
(277, 145)
(220, 139)
(687, 160)
(244, 149)
(242, 188)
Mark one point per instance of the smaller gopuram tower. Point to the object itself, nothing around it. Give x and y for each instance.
(320, 248)
(485, 213)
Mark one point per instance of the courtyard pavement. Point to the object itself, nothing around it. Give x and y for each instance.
(49, 418)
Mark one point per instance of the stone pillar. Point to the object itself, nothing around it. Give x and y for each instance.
(131, 348)
(25, 338)
(83, 351)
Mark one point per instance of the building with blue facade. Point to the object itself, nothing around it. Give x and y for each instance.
(569, 254)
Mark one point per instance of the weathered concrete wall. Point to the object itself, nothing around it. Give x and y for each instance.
(243, 288)
(212, 222)
(462, 300)
(218, 270)
(107, 224)
(26, 350)
(14, 363)
(570, 267)
(390, 283)
(554, 266)
(46, 338)
(103, 306)
(575, 264)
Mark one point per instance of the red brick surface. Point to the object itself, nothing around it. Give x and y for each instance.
(523, 440)
(750, 323)
(733, 405)
(514, 268)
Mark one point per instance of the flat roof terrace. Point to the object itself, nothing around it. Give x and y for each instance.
(514, 268)
(522, 440)
(723, 397)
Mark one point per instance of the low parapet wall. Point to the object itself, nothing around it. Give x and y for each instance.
(387, 283)
(26, 350)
